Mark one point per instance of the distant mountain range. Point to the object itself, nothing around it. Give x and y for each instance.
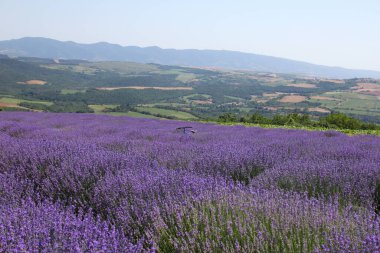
(103, 51)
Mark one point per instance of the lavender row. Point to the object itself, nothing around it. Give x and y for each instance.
(46, 227)
(221, 189)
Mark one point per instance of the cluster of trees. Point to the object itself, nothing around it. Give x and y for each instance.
(59, 106)
(78, 107)
(93, 96)
(333, 120)
(119, 108)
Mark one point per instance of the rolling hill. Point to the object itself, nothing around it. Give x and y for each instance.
(164, 91)
(102, 51)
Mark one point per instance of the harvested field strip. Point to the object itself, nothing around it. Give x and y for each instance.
(33, 82)
(293, 99)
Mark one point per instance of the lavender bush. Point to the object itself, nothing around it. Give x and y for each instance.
(90, 183)
(46, 227)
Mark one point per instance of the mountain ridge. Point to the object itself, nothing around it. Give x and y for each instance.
(104, 51)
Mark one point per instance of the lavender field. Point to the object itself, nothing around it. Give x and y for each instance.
(89, 183)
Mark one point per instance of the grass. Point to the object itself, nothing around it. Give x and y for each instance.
(188, 97)
(71, 91)
(235, 98)
(6, 96)
(101, 108)
(245, 109)
(186, 77)
(17, 101)
(309, 128)
(169, 72)
(164, 104)
(132, 114)
(181, 75)
(168, 113)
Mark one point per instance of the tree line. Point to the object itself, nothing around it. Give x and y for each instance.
(333, 120)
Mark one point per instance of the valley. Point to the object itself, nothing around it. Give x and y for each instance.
(177, 92)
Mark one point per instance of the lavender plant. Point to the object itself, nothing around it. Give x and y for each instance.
(91, 183)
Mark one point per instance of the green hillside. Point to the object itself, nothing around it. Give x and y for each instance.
(153, 90)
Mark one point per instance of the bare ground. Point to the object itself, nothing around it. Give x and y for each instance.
(293, 99)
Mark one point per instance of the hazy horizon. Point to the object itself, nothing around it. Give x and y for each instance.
(332, 33)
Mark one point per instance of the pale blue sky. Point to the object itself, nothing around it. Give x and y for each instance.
(328, 32)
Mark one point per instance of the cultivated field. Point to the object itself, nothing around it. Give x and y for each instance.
(205, 93)
(318, 109)
(145, 88)
(302, 85)
(350, 102)
(167, 113)
(368, 88)
(33, 82)
(292, 99)
(97, 183)
(9, 102)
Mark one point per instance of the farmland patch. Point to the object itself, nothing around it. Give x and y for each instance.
(318, 109)
(302, 85)
(292, 99)
(33, 82)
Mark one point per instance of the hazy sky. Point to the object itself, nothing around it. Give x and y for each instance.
(328, 32)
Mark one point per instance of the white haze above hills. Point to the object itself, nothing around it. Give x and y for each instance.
(103, 51)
